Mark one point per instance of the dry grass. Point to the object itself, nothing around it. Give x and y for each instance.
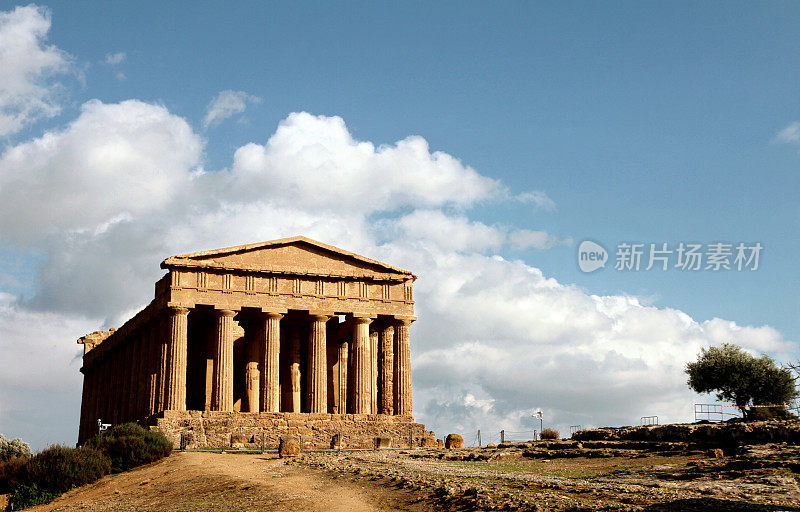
(577, 468)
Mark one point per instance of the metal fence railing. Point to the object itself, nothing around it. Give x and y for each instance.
(648, 420)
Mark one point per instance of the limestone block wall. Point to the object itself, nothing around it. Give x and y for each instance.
(217, 429)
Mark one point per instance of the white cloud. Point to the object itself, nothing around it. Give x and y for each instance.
(502, 331)
(458, 233)
(130, 157)
(227, 104)
(537, 198)
(40, 384)
(119, 189)
(790, 134)
(454, 233)
(114, 58)
(528, 239)
(28, 64)
(314, 162)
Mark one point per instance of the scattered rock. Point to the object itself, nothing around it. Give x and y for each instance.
(288, 447)
(453, 441)
(715, 453)
(383, 442)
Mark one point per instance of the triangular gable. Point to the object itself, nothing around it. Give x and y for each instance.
(297, 254)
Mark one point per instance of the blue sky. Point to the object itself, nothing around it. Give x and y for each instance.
(642, 122)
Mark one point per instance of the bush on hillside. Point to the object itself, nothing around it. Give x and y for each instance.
(60, 468)
(53, 471)
(13, 448)
(25, 496)
(129, 445)
(551, 433)
(9, 473)
(769, 413)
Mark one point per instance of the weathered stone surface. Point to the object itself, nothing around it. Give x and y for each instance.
(702, 434)
(427, 442)
(383, 442)
(318, 430)
(235, 331)
(289, 447)
(453, 441)
(440, 443)
(239, 440)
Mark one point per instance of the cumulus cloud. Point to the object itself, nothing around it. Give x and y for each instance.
(227, 104)
(315, 162)
(537, 198)
(521, 341)
(530, 239)
(456, 232)
(114, 159)
(40, 384)
(115, 58)
(790, 134)
(120, 188)
(28, 64)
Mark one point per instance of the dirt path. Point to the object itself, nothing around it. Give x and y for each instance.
(229, 482)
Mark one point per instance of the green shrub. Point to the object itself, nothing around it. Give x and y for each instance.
(769, 413)
(25, 496)
(53, 471)
(550, 433)
(13, 448)
(60, 468)
(128, 445)
(9, 473)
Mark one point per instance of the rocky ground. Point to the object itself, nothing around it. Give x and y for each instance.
(726, 467)
(589, 475)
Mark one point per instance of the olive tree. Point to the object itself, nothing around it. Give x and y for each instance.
(13, 448)
(738, 377)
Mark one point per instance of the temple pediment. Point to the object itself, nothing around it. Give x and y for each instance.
(295, 255)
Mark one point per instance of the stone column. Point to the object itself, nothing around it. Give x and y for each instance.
(252, 385)
(94, 401)
(116, 386)
(154, 362)
(402, 367)
(373, 372)
(270, 338)
(222, 399)
(176, 367)
(343, 352)
(85, 399)
(317, 396)
(362, 395)
(143, 372)
(163, 361)
(294, 369)
(211, 350)
(126, 357)
(108, 386)
(386, 371)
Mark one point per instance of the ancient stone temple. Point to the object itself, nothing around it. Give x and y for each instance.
(246, 344)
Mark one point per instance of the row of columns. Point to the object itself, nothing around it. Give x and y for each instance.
(142, 375)
(146, 373)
